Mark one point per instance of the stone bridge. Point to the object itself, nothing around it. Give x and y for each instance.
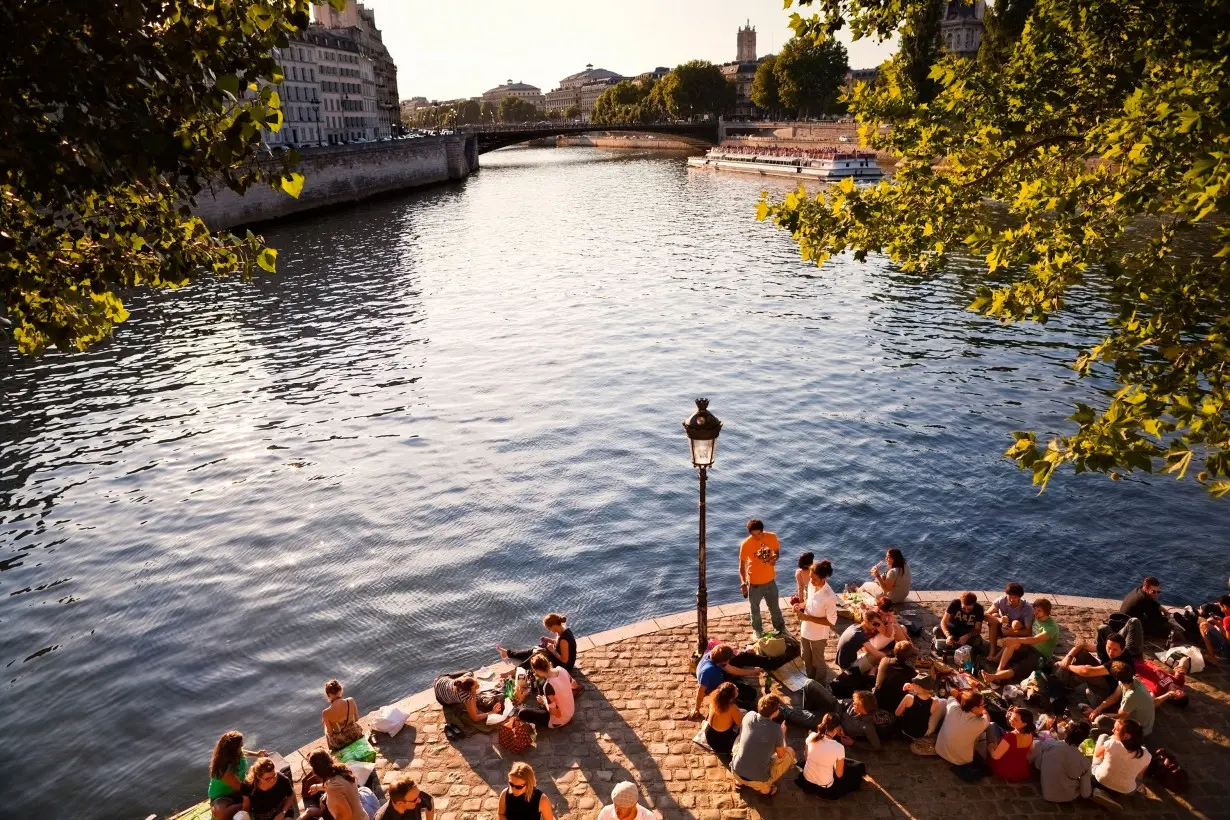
(492, 137)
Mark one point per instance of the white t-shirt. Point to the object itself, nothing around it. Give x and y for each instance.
(1119, 768)
(821, 603)
(642, 813)
(561, 686)
(822, 757)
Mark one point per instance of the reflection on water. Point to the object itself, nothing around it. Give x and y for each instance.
(453, 411)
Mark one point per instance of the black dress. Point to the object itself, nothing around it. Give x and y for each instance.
(722, 743)
(913, 721)
(518, 808)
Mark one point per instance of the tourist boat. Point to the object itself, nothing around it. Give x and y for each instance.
(832, 166)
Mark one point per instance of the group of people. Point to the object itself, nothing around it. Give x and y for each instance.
(792, 153)
(1109, 688)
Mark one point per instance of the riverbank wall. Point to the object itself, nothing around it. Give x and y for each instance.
(657, 142)
(334, 175)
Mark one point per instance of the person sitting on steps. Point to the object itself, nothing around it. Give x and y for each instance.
(340, 718)
(1142, 604)
(1079, 666)
(561, 649)
(826, 771)
(761, 756)
(961, 624)
(1216, 633)
(722, 721)
(1021, 656)
(1011, 616)
(714, 669)
(919, 712)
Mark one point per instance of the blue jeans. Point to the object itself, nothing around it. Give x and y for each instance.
(767, 593)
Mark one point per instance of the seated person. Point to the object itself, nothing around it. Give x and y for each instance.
(1080, 667)
(406, 801)
(722, 721)
(555, 706)
(714, 669)
(862, 673)
(1008, 752)
(1216, 633)
(862, 718)
(228, 769)
(826, 771)
(961, 624)
(344, 799)
(1142, 604)
(561, 648)
(1165, 685)
(893, 674)
(920, 711)
(625, 804)
(855, 636)
(1120, 760)
(267, 794)
(761, 756)
(893, 582)
(1021, 655)
(965, 719)
(1010, 616)
(887, 610)
(340, 718)
(1132, 699)
(464, 702)
(1066, 772)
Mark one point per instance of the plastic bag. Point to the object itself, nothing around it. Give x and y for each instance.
(360, 752)
(390, 720)
(1174, 654)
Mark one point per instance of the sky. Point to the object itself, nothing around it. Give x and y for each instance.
(445, 49)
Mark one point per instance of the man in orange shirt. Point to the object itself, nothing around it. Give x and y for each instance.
(758, 574)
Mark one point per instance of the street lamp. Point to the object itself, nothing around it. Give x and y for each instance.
(702, 429)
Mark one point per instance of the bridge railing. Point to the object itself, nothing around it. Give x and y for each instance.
(555, 126)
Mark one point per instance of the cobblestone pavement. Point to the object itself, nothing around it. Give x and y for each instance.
(631, 725)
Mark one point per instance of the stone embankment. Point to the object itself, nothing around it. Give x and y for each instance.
(656, 142)
(346, 173)
(631, 724)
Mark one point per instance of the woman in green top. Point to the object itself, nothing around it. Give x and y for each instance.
(227, 769)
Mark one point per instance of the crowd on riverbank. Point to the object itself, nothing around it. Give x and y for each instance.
(934, 697)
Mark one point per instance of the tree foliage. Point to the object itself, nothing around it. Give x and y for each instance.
(1102, 131)
(810, 75)
(764, 86)
(517, 110)
(572, 112)
(628, 102)
(490, 111)
(696, 89)
(113, 117)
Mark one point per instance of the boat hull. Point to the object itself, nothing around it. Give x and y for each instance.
(864, 172)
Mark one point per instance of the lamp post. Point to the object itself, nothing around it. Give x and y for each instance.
(702, 428)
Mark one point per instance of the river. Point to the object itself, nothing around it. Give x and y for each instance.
(455, 410)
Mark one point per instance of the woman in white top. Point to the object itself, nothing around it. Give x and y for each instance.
(1119, 762)
(558, 685)
(826, 772)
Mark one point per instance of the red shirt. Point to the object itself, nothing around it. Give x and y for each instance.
(1158, 679)
(1014, 765)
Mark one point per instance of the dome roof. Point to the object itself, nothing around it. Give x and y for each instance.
(589, 75)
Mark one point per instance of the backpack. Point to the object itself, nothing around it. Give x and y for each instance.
(515, 735)
(1165, 769)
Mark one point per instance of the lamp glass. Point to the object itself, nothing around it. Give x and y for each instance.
(703, 451)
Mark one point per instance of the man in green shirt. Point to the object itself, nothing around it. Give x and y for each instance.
(1021, 655)
(1134, 699)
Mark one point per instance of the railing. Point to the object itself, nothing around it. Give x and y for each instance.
(496, 128)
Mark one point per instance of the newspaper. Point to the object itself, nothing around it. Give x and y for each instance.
(792, 675)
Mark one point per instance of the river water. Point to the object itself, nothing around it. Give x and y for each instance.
(452, 411)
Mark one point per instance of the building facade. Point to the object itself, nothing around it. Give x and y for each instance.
(962, 27)
(582, 90)
(531, 94)
(359, 24)
(300, 95)
(347, 87)
(742, 71)
(860, 75)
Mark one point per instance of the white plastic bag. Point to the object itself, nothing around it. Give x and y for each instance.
(361, 771)
(1172, 656)
(390, 720)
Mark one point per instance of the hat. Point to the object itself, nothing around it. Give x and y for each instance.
(625, 794)
(925, 681)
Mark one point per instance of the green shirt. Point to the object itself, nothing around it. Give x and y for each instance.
(220, 788)
(1046, 648)
(1137, 703)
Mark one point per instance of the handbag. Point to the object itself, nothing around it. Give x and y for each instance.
(1165, 769)
(771, 645)
(515, 735)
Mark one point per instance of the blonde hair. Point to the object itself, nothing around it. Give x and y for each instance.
(333, 687)
(263, 765)
(524, 771)
(554, 619)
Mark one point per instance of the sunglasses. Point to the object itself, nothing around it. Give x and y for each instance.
(515, 786)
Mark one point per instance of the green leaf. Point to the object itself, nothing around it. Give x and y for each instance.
(268, 259)
(228, 84)
(293, 184)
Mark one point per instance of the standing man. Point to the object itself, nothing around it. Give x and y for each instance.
(816, 618)
(758, 575)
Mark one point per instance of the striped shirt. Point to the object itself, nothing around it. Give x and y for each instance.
(447, 693)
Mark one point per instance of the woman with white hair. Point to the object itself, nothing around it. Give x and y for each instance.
(624, 805)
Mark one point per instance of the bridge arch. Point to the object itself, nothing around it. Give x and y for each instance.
(494, 137)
